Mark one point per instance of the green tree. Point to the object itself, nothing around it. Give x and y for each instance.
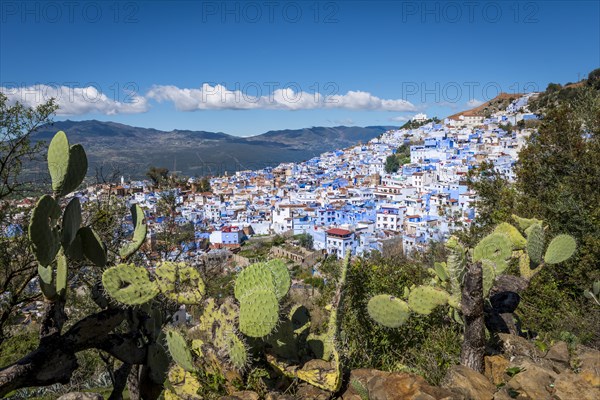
(558, 176)
(306, 240)
(17, 265)
(391, 164)
(157, 175)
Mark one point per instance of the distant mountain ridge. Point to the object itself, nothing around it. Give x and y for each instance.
(132, 150)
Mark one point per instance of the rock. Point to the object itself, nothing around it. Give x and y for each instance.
(559, 356)
(533, 382)
(495, 369)
(246, 395)
(310, 392)
(81, 396)
(517, 346)
(588, 361)
(471, 384)
(572, 386)
(278, 396)
(381, 385)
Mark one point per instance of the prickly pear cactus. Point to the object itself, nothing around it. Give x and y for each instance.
(129, 284)
(43, 230)
(139, 233)
(67, 165)
(180, 282)
(497, 248)
(179, 350)
(388, 310)
(424, 299)
(259, 313)
(560, 249)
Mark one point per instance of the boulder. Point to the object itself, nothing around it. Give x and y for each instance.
(310, 392)
(518, 346)
(380, 385)
(573, 386)
(559, 356)
(533, 382)
(495, 369)
(471, 384)
(588, 361)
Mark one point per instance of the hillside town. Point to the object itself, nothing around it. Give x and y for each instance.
(344, 199)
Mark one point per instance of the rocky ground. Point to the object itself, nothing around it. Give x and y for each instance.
(521, 372)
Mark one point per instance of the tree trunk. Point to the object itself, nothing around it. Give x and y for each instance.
(473, 348)
(133, 383)
(120, 381)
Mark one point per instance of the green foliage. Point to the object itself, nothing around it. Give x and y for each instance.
(391, 164)
(16, 347)
(157, 175)
(305, 240)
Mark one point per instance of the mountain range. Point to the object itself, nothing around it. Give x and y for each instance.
(132, 150)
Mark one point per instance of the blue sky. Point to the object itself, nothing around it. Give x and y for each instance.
(246, 67)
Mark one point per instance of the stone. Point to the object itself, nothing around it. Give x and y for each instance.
(559, 356)
(278, 396)
(588, 361)
(246, 395)
(381, 385)
(81, 396)
(533, 382)
(495, 369)
(517, 346)
(310, 392)
(572, 386)
(471, 384)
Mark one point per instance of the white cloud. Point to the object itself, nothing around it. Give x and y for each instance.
(474, 103)
(399, 119)
(217, 97)
(76, 100)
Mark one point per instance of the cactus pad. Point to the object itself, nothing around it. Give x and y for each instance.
(518, 241)
(58, 160)
(180, 283)
(560, 249)
(129, 284)
(259, 313)
(489, 276)
(183, 385)
(388, 310)
(495, 247)
(43, 232)
(179, 350)
(281, 277)
(61, 274)
(139, 232)
(92, 246)
(536, 239)
(71, 222)
(237, 353)
(254, 277)
(525, 223)
(424, 299)
(76, 170)
(441, 270)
